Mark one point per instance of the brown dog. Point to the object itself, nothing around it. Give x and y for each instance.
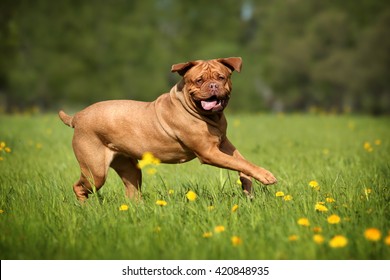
(178, 126)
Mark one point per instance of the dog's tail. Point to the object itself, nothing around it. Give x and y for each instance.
(66, 119)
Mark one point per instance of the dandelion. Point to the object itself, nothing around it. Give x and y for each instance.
(161, 203)
(207, 234)
(378, 142)
(235, 207)
(293, 237)
(287, 197)
(170, 192)
(148, 159)
(333, 219)
(1, 211)
(236, 240)
(219, 229)
(338, 241)
(7, 149)
(303, 222)
(367, 146)
(387, 240)
(330, 199)
(320, 207)
(191, 196)
(314, 185)
(279, 194)
(123, 207)
(318, 238)
(372, 234)
(317, 229)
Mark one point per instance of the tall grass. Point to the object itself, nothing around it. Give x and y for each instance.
(41, 218)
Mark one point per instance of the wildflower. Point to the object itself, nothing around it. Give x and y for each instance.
(219, 229)
(207, 234)
(378, 142)
(387, 240)
(157, 229)
(235, 207)
(330, 199)
(236, 240)
(367, 146)
(1, 158)
(7, 149)
(170, 192)
(278, 194)
(372, 234)
(314, 184)
(317, 229)
(333, 219)
(148, 159)
(123, 207)
(1, 211)
(161, 202)
(287, 197)
(321, 207)
(338, 241)
(303, 222)
(318, 238)
(191, 196)
(293, 237)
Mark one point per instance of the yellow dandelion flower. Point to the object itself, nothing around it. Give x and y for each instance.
(367, 146)
(148, 159)
(161, 202)
(387, 240)
(378, 142)
(2, 145)
(7, 149)
(317, 229)
(207, 234)
(333, 219)
(1, 211)
(1, 158)
(287, 197)
(123, 207)
(191, 196)
(320, 207)
(338, 241)
(318, 238)
(236, 240)
(372, 234)
(293, 237)
(314, 185)
(330, 199)
(303, 222)
(235, 207)
(170, 192)
(278, 194)
(219, 229)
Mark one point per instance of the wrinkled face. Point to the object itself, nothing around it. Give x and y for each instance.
(209, 85)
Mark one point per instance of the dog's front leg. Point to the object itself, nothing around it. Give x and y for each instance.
(226, 156)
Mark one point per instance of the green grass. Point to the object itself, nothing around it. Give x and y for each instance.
(41, 218)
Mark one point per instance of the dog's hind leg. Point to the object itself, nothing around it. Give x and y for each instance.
(130, 174)
(94, 162)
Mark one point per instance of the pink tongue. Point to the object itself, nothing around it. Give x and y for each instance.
(208, 105)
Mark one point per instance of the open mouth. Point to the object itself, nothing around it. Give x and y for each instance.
(213, 104)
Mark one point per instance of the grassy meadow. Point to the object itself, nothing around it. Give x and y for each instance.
(332, 200)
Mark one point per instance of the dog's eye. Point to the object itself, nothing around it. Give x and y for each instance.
(199, 81)
(221, 78)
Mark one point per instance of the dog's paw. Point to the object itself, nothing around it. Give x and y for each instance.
(267, 178)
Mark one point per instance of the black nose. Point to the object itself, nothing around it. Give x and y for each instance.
(213, 86)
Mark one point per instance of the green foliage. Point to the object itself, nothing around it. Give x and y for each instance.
(41, 219)
(297, 54)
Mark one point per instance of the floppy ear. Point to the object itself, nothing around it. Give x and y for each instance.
(182, 68)
(234, 63)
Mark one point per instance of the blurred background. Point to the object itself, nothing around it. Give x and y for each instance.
(297, 55)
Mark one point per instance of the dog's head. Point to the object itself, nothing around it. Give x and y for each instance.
(208, 82)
